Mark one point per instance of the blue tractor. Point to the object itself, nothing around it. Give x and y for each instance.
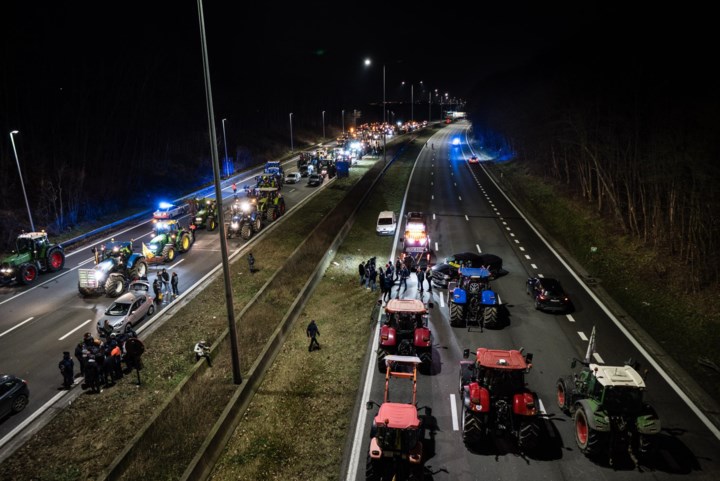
(472, 301)
(116, 265)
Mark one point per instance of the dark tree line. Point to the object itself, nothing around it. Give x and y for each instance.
(636, 141)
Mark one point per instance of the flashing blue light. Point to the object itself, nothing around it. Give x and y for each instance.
(165, 205)
(456, 141)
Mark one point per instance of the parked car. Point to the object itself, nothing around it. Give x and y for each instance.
(447, 271)
(170, 211)
(293, 178)
(129, 309)
(549, 294)
(315, 179)
(386, 223)
(14, 394)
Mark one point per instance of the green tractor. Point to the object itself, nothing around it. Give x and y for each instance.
(169, 239)
(270, 203)
(609, 414)
(33, 254)
(206, 214)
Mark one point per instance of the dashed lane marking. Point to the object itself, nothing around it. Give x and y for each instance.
(598, 358)
(582, 336)
(570, 318)
(17, 325)
(453, 410)
(76, 329)
(534, 267)
(478, 248)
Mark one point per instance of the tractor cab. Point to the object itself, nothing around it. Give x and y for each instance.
(167, 227)
(405, 332)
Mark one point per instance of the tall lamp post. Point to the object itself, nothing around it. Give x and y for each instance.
(22, 183)
(323, 112)
(291, 139)
(227, 171)
(230, 305)
(367, 63)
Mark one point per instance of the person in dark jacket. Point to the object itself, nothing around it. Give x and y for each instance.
(157, 289)
(174, 282)
(361, 272)
(79, 357)
(67, 367)
(312, 332)
(420, 279)
(251, 263)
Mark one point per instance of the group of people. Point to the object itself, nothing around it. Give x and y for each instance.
(101, 361)
(165, 285)
(399, 272)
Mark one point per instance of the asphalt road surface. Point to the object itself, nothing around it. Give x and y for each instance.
(467, 212)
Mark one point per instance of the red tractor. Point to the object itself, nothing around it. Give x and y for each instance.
(396, 448)
(496, 400)
(405, 332)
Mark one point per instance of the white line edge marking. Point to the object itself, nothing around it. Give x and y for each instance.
(31, 418)
(582, 336)
(17, 325)
(453, 410)
(77, 328)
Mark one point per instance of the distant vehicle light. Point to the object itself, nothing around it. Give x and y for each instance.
(456, 141)
(165, 205)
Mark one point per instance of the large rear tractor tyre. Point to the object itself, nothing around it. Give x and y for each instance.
(185, 242)
(55, 260)
(114, 286)
(281, 208)
(589, 441)
(257, 225)
(246, 231)
(457, 314)
(490, 317)
(373, 469)
(212, 224)
(168, 253)
(139, 270)
(563, 397)
(471, 427)
(28, 274)
(272, 214)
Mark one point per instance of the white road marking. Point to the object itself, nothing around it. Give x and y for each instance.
(459, 197)
(466, 218)
(455, 184)
(176, 264)
(512, 235)
(507, 228)
(478, 248)
(436, 247)
(570, 318)
(539, 275)
(432, 183)
(433, 216)
(516, 240)
(77, 328)
(598, 358)
(527, 257)
(442, 300)
(17, 325)
(453, 410)
(534, 267)
(521, 248)
(86, 261)
(504, 223)
(582, 336)
(432, 197)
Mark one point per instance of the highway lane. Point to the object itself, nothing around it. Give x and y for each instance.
(466, 211)
(38, 323)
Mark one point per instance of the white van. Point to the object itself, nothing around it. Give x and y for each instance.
(386, 223)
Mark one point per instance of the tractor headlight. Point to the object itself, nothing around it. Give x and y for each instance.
(6, 271)
(198, 219)
(234, 225)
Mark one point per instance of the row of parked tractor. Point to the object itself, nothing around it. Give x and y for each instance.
(606, 404)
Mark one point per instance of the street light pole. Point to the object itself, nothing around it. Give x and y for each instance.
(412, 102)
(227, 173)
(229, 303)
(291, 138)
(429, 105)
(343, 121)
(323, 125)
(22, 183)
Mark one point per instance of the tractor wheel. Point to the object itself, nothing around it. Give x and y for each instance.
(471, 427)
(272, 214)
(528, 436)
(588, 440)
(139, 270)
(211, 224)
(381, 361)
(281, 207)
(257, 225)
(564, 397)
(457, 312)
(114, 286)
(28, 274)
(168, 253)
(490, 315)
(55, 260)
(647, 444)
(373, 469)
(246, 231)
(184, 243)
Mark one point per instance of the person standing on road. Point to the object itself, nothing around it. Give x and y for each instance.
(67, 367)
(165, 278)
(312, 332)
(404, 274)
(420, 279)
(174, 283)
(157, 289)
(361, 271)
(428, 276)
(398, 268)
(234, 188)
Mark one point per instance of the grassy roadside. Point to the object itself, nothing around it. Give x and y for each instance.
(297, 423)
(648, 284)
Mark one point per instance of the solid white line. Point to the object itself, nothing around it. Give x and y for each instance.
(466, 218)
(17, 325)
(453, 410)
(176, 264)
(570, 318)
(582, 336)
(436, 247)
(598, 358)
(478, 248)
(31, 418)
(81, 325)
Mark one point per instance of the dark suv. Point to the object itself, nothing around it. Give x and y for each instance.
(14, 394)
(549, 294)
